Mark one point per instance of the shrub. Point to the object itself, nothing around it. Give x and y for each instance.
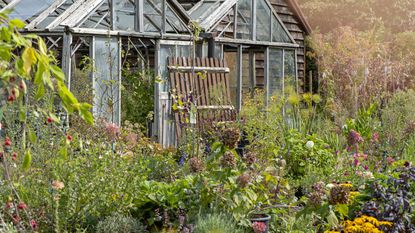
(120, 223)
(216, 223)
(398, 119)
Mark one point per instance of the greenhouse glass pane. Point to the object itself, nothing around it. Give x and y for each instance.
(278, 32)
(290, 81)
(202, 10)
(100, 19)
(106, 85)
(152, 15)
(263, 22)
(173, 23)
(44, 23)
(275, 72)
(244, 20)
(231, 59)
(125, 15)
(26, 9)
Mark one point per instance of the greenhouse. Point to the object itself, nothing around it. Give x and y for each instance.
(261, 43)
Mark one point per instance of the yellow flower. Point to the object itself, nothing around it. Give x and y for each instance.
(364, 224)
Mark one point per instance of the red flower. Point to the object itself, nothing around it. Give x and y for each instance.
(33, 224)
(11, 98)
(8, 205)
(14, 156)
(50, 120)
(7, 142)
(22, 206)
(259, 227)
(69, 138)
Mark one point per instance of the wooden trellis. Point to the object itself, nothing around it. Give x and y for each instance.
(204, 82)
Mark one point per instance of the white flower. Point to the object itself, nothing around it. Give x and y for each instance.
(309, 144)
(329, 186)
(368, 175)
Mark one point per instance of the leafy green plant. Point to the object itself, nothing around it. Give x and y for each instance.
(30, 84)
(306, 153)
(138, 96)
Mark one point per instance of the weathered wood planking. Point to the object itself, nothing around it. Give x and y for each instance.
(208, 90)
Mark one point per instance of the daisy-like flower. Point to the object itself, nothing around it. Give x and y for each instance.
(309, 144)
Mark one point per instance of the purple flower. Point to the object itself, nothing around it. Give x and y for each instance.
(354, 138)
(182, 159)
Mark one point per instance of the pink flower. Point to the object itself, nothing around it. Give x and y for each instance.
(259, 227)
(33, 224)
(7, 142)
(16, 219)
(14, 156)
(356, 162)
(366, 167)
(375, 137)
(354, 138)
(113, 130)
(390, 160)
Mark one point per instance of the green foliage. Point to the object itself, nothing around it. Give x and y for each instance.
(366, 123)
(120, 223)
(30, 83)
(305, 154)
(138, 96)
(216, 223)
(398, 127)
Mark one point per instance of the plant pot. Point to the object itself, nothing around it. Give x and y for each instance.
(261, 218)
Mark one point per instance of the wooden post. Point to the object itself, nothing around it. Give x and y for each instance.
(311, 81)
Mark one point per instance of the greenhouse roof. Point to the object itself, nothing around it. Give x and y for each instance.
(236, 19)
